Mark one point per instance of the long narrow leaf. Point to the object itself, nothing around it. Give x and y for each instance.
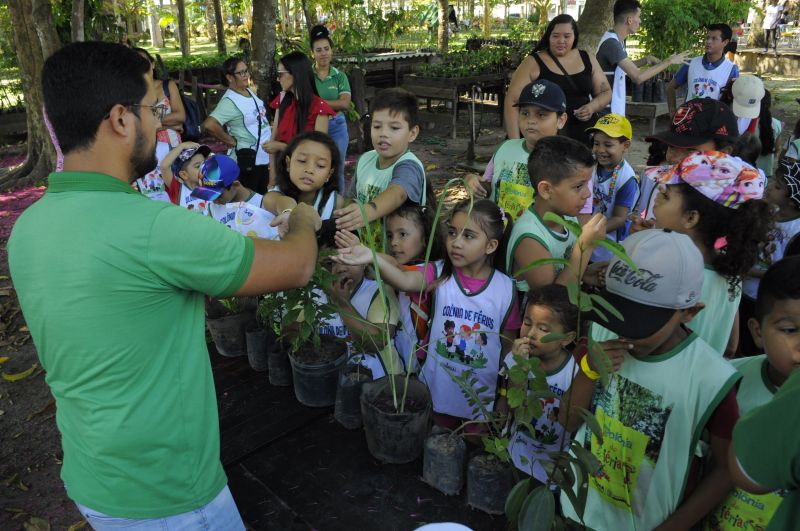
(571, 226)
(591, 422)
(618, 251)
(542, 262)
(606, 306)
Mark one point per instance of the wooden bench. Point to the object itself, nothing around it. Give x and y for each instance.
(648, 110)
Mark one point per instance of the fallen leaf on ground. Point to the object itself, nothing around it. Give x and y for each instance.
(77, 525)
(431, 167)
(23, 328)
(51, 405)
(5, 292)
(7, 482)
(4, 359)
(36, 524)
(22, 486)
(20, 375)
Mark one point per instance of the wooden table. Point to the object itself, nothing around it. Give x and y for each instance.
(648, 110)
(451, 88)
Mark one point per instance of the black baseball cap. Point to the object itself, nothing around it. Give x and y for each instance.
(545, 94)
(186, 154)
(697, 121)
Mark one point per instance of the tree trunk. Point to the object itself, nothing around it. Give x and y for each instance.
(595, 20)
(156, 36)
(183, 34)
(471, 12)
(41, 157)
(209, 10)
(756, 37)
(42, 16)
(487, 19)
(220, 28)
(76, 21)
(307, 15)
(263, 63)
(441, 37)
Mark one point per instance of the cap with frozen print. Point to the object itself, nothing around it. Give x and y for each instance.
(614, 125)
(217, 173)
(186, 154)
(670, 278)
(789, 170)
(697, 121)
(725, 179)
(544, 94)
(748, 91)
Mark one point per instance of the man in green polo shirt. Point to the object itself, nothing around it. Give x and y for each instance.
(111, 286)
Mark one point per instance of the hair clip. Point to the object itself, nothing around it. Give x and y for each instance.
(720, 243)
(503, 216)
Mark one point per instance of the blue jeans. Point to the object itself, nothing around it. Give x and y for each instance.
(337, 129)
(220, 514)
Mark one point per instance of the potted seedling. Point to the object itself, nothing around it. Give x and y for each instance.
(227, 320)
(270, 311)
(260, 338)
(315, 359)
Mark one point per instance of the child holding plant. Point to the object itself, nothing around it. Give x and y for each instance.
(542, 112)
(366, 317)
(548, 313)
(391, 174)
(560, 169)
(715, 199)
(471, 296)
(409, 229)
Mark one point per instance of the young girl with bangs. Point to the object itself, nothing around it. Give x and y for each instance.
(716, 199)
(474, 313)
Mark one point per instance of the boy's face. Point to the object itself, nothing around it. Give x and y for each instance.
(227, 195)
(676, 154)
(190, 174)
(310, 166)
(540, 321)
(536, 123)
(714, 43)
(405, 238)
(391, 134)
(343, 273)
(663, 340)
(609, 151)
(777, 193)
(568, 197)
(779, 335)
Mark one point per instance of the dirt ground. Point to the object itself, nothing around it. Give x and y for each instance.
(31, 493)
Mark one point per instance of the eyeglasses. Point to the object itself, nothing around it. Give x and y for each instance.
(281, 72)
(242, 73)
(159, 111)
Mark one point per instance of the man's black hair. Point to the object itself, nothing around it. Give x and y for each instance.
(625, 8)
(725, 31)
(81, 83)
(781, 282)
(398, 101)
(555, 158)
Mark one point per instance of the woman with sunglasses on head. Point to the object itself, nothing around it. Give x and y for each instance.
(298, 106)
(240, 122)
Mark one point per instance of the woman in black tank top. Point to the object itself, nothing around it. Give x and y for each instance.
(557, 59)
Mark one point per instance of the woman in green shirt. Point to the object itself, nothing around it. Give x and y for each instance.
(333, 87)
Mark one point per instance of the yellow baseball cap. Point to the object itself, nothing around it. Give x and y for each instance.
(613, 125)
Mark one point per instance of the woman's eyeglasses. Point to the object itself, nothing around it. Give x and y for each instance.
(282, 72)
(242, 73)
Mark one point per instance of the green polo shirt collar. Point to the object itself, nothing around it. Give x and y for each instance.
(81, 181)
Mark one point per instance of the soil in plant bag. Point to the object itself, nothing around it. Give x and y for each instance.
(395, 437)
(315, 371)
(443, 462)
(489, 482)
(347, 410)
(228, 334)
(330, 349)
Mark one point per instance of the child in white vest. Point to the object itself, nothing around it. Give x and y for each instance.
(777, 311)
(542, 110)
(390, 174)
(670, 386)
(364, 318)
(715, 199)
(548, 312)
(474, 316)
(616, 187)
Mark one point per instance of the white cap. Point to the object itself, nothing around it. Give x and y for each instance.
(748, 91)
(670, 278)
